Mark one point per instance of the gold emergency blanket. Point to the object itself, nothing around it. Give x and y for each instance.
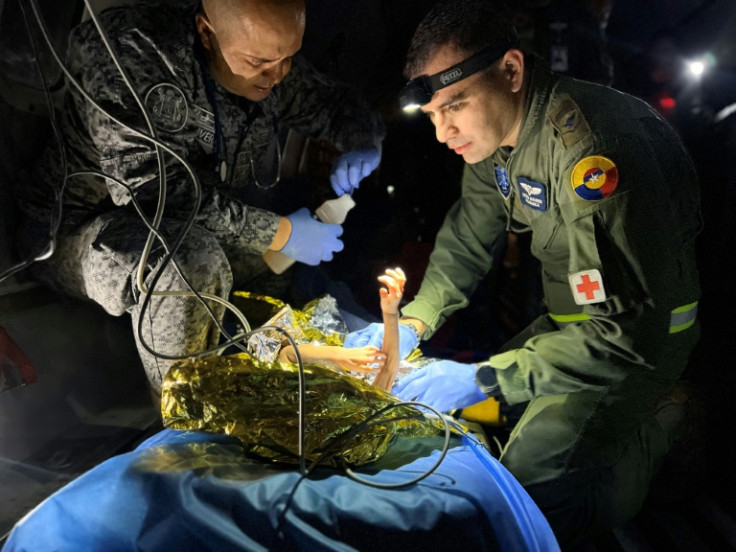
(257, 402)
(318, 321)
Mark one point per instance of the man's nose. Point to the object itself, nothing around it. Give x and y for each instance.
(276, 73)
(444, 127)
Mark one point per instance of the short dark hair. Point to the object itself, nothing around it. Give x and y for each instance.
(468, 25)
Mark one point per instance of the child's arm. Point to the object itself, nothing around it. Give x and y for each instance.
(391, 295)
(361, 359)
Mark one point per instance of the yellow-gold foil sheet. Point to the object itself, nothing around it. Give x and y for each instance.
(257, 308)
(257, 402)
(319, 321)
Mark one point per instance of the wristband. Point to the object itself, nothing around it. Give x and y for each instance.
(413, 329)
(486, 379)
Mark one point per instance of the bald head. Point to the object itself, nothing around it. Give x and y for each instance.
(250, 43)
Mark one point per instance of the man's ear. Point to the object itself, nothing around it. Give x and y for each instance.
(512, 65)
(204, 28)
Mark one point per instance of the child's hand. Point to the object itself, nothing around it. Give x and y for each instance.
(391, 295)
(363, 359)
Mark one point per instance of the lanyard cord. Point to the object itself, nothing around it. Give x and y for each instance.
(221, 164)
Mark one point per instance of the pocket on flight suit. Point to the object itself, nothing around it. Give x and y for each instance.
(110, 266)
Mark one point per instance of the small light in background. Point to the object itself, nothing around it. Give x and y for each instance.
(667, 103)
(696, 68)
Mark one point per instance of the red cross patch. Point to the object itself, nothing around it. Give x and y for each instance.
(587, 287)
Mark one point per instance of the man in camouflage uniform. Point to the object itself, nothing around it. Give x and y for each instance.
(219, 80)
(611, 197)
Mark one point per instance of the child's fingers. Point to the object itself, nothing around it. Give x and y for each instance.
(396, 273)
(361, 368)
(398, 277)
(394, 288)
(386, 280)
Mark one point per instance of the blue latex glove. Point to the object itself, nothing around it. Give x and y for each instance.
(444, 385)
(311, 241)
(352, 167)
(372, 334)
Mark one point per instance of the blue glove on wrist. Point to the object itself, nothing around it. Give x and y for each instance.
(352, 167)
(311, 241)
(372, 334)
(444, 385)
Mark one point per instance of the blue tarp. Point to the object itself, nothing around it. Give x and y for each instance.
(185, 491)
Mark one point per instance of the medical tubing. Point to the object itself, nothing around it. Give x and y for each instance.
(153, 227)
(159, 157)
(302, 386)
(199, 295)
(373, 419)
(445, 447)
(161, 199)
(197, 186)
(352, 432)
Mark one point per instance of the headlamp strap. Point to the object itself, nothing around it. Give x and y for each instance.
(469, 66)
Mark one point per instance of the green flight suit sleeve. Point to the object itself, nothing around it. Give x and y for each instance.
(641, 239)
(462, 253)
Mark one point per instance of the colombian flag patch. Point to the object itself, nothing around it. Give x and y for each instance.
(594, 177)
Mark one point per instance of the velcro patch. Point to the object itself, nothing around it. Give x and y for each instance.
(569, 122)
(533, 194)
(168, 107)
(502, 181)
(587, 287)
(594, 177)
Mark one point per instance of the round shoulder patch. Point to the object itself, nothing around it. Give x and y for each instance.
(594, 177)
(168, 107)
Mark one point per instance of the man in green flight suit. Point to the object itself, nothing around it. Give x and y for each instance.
(611, 197)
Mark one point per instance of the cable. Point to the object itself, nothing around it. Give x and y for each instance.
(169, 257)
(365, 424)
(354, 431)
(148, 293)
(200, 295)
(153, 227)
(56, 214)
(301, 384)
(151, 128)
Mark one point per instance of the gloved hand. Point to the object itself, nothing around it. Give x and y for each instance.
(352, 167)
(372, 334)
(311, 241)
(444, 385)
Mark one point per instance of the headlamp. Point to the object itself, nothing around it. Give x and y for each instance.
(419, 91)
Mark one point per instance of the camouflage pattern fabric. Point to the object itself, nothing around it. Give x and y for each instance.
(101, 238)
